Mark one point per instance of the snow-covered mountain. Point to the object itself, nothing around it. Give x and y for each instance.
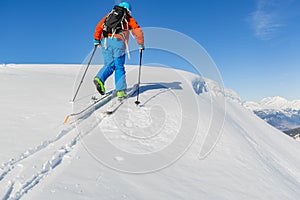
(295, 133)
(184, 141)
(277, 111)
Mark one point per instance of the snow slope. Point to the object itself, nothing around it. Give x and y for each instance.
(169, 148)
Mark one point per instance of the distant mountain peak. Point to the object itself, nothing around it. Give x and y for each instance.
(273, 103)
(277, 111)
(276, 102)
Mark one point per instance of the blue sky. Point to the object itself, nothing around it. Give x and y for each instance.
(254, 43)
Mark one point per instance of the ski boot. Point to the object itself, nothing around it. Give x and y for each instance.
(99, 85)
(121, 95)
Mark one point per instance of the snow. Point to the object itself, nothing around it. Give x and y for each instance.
(189, 139)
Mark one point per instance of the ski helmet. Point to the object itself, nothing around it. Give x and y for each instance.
(125, 5)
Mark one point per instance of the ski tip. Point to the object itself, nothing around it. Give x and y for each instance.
(66, 119)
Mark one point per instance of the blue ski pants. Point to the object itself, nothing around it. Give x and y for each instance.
(114, 60)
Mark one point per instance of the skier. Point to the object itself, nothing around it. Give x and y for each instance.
(112, 33)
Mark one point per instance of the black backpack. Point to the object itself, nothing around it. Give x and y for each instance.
(114, 21)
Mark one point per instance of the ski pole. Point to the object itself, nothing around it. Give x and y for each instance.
(137, 102)
(90, 60)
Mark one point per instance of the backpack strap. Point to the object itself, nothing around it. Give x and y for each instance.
(127, 49)
(105, 43)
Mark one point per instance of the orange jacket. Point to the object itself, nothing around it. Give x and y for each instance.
(132, 25)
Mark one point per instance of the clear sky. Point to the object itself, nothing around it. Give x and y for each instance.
(254, 43)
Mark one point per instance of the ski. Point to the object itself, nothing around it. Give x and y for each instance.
(118, 102)
(97, 102)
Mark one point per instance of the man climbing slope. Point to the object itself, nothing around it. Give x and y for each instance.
(112, 33)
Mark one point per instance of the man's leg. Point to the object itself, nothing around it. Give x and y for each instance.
(120, 77)
(106, 71)
(109, 67)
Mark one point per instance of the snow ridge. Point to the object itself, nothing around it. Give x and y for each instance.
(249, 152)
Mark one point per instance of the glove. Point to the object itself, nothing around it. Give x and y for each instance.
(97, 42)
(141, 47)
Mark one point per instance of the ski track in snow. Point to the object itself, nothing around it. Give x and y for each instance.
(8, 166)
(14, 189)
(16, 192)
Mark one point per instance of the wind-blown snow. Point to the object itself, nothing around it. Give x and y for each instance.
(43, 159)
